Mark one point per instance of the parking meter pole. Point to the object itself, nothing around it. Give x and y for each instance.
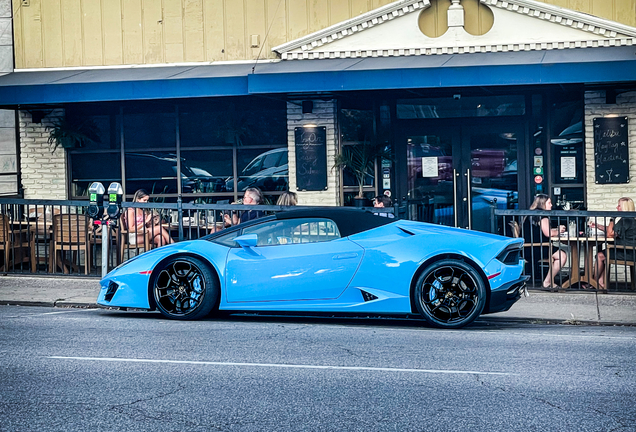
(180, 208)
(105, 241)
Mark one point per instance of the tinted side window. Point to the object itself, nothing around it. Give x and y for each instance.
(313, 230)
(227, 239)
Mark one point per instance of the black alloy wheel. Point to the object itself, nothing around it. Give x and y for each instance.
(450, 294)
(185, 288)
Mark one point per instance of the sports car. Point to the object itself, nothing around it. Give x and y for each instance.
(339, 260)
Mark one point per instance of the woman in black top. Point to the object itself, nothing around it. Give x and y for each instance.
(623, 231)
(538, 230)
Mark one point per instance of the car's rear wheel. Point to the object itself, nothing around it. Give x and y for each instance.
(185, 288)
(450, 294)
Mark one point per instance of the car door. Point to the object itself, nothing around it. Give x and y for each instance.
(294, 259)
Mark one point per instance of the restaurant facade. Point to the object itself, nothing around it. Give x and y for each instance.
(469, 104)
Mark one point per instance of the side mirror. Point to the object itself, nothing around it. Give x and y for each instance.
(247, 240)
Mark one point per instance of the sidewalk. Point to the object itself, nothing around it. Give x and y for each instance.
(576, 307)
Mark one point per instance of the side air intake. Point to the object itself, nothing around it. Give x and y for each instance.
(110, 292)
(368, 296)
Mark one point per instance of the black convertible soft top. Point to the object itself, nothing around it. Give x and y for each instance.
(349, 220)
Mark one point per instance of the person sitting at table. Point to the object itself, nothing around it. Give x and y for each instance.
(287, 199)
(623, 230)
(140, 221)
(383, 201)
(537, 230)
(251, 196)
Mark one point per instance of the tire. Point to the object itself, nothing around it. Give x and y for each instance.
(450, 294)
(184, 288)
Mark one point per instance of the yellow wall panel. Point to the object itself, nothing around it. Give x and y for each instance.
(214, 30)
(32, 35)
(561, 3)
(173, 30)
(338, 11)
(53, 47)
(255, 18)
(50, 33)
(132, 31)
(152, 24)
(625, 10)
(235, 30)
(113, 34)
(297, 19)
(603, 8)
(72, 32)
(18, 46)
(359, 7)
(277, 27)
(93, 47)
(581, 5)
(318, 15)
(193, 30)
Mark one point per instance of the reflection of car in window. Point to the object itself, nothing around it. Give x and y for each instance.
(268, 171)
(158, 174)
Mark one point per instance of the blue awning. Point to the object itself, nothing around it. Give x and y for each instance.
(118, 84)
(590, 66)
(569, 66)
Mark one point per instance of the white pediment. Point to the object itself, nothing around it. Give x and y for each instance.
(519, 25)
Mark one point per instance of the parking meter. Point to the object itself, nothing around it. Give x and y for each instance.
(115, 195)
(96, 200)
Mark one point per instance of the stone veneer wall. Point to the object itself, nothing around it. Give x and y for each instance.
(324, 113)
(43, 172)
(605, 197)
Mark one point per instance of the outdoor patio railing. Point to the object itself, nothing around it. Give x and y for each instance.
(58, 237)
(580, 243)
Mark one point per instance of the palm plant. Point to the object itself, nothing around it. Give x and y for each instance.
(71, 133)
(360, 160)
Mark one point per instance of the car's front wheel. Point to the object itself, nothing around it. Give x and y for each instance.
(450, 294)
(185, 288)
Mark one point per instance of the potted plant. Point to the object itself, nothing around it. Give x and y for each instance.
(360, 160)
(71, 133)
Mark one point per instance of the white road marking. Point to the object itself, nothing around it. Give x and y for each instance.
(290, 366)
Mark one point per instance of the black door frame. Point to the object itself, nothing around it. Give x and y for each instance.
(459, 130)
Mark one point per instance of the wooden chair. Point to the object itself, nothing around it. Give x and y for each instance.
(128, 240)
(14, 243)
(618, 262)
(70, 234)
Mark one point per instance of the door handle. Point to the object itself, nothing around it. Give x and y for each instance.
(470, 201)
(345, 256)
(455, 195)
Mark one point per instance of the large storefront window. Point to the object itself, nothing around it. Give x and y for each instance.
(207, 148)
(357, 129)
(567, 148)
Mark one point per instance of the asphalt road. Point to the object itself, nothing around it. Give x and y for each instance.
(99, 370)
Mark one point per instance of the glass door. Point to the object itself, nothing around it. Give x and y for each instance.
(429, 190)
(456, 174)
(490, 173)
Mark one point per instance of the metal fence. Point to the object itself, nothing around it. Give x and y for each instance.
(58, 237)
(580, 257)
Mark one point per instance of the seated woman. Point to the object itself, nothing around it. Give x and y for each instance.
(538, 230)
(624, 232)
(140, 221)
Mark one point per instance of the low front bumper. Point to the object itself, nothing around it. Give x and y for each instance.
(504, 297)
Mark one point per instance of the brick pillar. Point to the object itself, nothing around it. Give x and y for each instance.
(324, 113)
(43, 171)
(603, 197)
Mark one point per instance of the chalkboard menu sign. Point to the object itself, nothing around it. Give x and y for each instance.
(311, 158)
(611, 153)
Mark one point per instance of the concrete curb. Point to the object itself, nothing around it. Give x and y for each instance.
(541, 307)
